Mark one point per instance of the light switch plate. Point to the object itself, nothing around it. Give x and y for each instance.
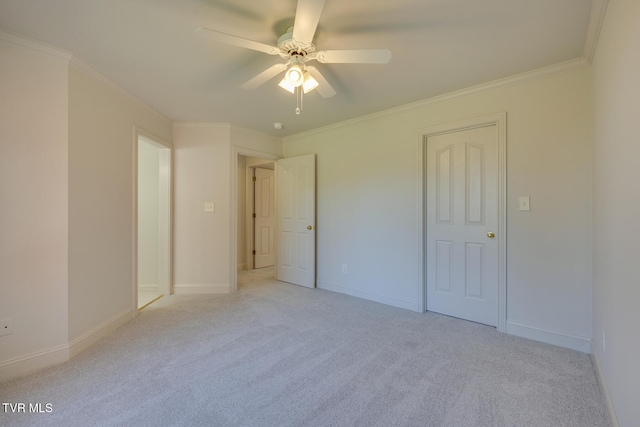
(523, 203)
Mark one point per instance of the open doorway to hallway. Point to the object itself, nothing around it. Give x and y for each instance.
(153, 220)
(256, 220)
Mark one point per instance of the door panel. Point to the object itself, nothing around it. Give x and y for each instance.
(296, 220)
(264, 225)
(473, 270)
(475, 188)
(444, 185)
(462, 207)
(444, 265)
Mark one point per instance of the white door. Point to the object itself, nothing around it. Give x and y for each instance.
(462, 220)
(264, 218)
(296, 194)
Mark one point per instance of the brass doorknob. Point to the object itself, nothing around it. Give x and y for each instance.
(491, 235)
(309, 227)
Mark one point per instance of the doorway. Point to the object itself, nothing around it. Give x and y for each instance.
(464, 210)
(296, 254)
(255, 217)
(153, 219)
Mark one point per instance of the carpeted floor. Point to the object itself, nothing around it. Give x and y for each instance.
(275, 354)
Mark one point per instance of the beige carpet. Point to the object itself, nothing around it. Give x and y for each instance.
(275, 354)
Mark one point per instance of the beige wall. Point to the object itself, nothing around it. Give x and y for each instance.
(66, 192)
(616, 208)
(368, 213)
(201, 243)
(33, 204)
(101, 149)
(206, 170)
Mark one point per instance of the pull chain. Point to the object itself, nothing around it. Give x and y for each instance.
(299, 94)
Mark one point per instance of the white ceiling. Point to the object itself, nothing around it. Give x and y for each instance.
(149, 48)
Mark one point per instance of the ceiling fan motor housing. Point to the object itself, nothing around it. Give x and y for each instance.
(290, 47)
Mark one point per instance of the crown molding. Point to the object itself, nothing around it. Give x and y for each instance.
(35, 46)
(202, 125)
(77, 63)
(80, 65)
(598, 10)
(528, 76)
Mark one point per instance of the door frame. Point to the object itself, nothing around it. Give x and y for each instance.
(500, 121)
(236, 152)
(137, 134)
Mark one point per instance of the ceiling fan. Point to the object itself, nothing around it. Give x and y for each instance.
(296, 48)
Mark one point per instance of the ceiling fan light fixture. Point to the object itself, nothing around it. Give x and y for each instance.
(284, 84)
(294, 75)
(309, 83)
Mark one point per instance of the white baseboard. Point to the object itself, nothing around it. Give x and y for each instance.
(602, 381)
(148, 289)
(186, 289)
(371, 296)
(18, 366)
(549, 337)
(96, 334)
(42, 359)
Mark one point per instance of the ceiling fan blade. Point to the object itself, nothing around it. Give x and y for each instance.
(264, 76)
(236, 41)
(362, 56)
(324, 88)
(307, 16)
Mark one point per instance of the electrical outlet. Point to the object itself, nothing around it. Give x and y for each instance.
(6, 327)
(209, 207)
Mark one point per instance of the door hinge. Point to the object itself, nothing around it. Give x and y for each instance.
(253, 215)
(254, 178)
(253, 252)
